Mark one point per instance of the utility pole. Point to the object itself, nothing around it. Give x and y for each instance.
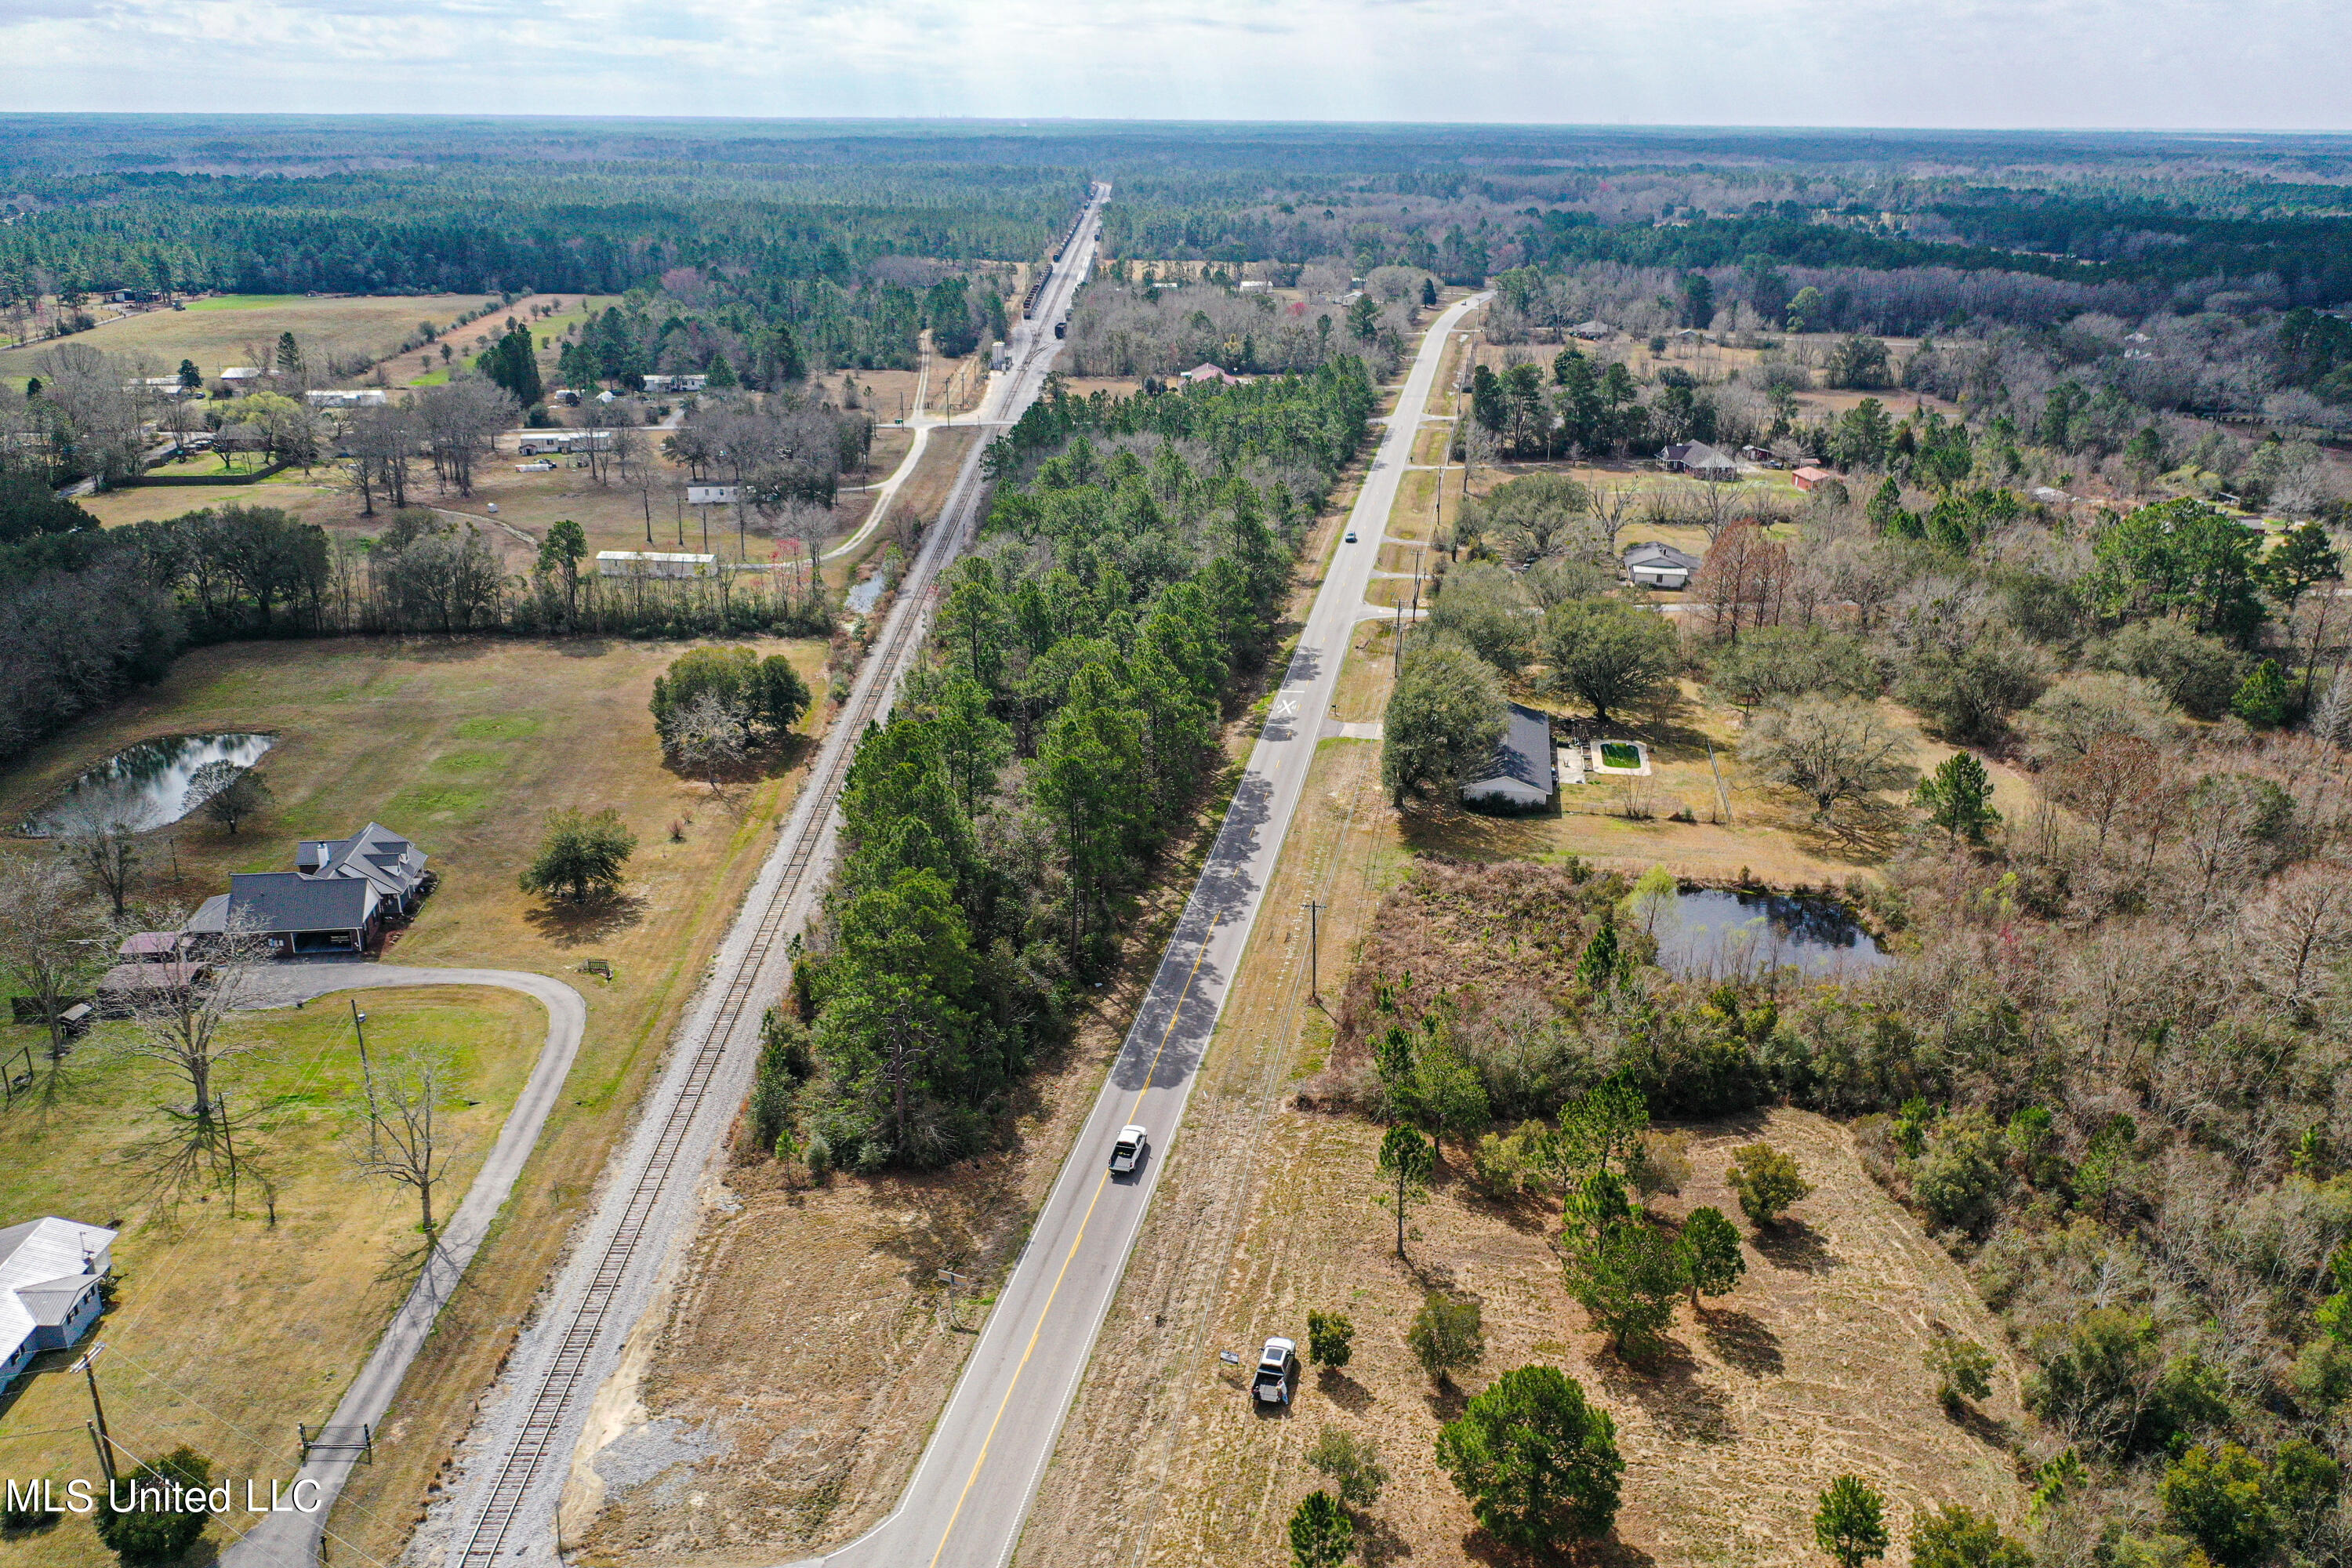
(89, 1365)
(228, 1141)
(1314, 953)
(367, 1078)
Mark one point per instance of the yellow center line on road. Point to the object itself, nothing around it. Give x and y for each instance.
(1174, 1013)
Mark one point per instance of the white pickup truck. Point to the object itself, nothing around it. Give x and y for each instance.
(1127, 1153)
(1276, 1363)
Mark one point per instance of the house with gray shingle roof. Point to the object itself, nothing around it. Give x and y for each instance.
(1654, 564)
(1521, 774)
(1698, 457)
(50, 1271)
(336, 899)
(376, 855)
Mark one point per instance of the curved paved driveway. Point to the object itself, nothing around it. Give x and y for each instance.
(286, 1539)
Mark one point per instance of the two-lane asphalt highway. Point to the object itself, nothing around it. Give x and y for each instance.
(964, 1506)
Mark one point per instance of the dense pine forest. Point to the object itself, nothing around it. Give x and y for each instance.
(1063, 730)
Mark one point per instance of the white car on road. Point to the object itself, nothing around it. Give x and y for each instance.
(1275, 1365)
(1127, 1153)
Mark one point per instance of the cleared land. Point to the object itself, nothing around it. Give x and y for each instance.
(228, 1328)
(227, 329)
(615, 516)
(465, 745)
(1813, 1367)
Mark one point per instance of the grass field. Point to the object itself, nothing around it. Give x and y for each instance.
(1813, 1367)
(237, 329)
(465, 745)
(228, 1327)
(615, 516)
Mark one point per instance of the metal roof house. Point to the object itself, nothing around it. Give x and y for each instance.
(1521, 775)
(654, 563)
(50, 1275)
(1656, 564)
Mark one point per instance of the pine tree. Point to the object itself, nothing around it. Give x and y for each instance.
(2261, 701)
(1851, 1524)
(1958, 798)
(1599, 968)
(1886, 514)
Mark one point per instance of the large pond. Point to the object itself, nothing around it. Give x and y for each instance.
(1713, 931)
(143, 786)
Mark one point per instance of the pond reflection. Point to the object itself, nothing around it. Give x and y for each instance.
(143, 786)
(1712, 932)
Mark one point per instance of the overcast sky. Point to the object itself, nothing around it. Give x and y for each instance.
(2236, 64)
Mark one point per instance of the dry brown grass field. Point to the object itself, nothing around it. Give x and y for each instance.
(217, 333)
(464, 745)
(1810, 1368)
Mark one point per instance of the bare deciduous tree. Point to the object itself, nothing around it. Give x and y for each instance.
(45, 931)
(404, 1138)
(106, 853)
(2102, 785)
(179, 1020)
(2297, 935)
(710, 735)
(1834, 753)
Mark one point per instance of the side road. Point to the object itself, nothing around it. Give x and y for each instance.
(286, 1539)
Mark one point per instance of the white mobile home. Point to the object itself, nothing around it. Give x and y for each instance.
(654, 564)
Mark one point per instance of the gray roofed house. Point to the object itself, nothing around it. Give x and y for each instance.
(1656, 564)
(336, 899)
(304, 914)
(50, 1271)
(375, 853)
(1698, 457)
(1522, 772)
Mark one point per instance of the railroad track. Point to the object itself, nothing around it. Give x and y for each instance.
(548, 1417)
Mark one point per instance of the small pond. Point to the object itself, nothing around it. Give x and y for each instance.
(864, 592)
(1714, 930)
(145, 786)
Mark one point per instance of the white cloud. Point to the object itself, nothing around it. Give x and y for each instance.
(1793, 62)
